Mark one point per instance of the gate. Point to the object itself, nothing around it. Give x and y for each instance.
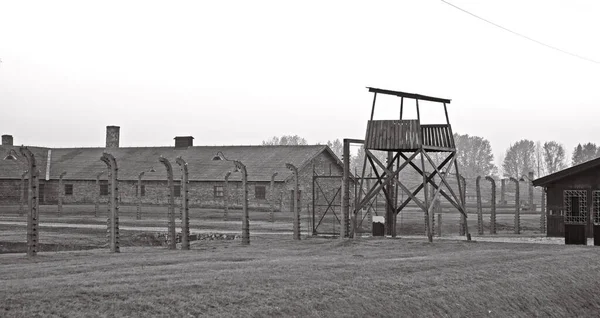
(326, 205)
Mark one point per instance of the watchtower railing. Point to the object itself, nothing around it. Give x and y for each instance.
(437, 136)
(405, 135)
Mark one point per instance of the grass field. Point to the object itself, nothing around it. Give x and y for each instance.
(316, 277)
(75, 275)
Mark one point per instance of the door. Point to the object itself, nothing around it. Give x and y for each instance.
(576, 216)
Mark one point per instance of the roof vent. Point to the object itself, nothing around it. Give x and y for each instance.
(184, 141)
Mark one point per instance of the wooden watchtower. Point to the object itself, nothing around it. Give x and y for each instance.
(409, 143)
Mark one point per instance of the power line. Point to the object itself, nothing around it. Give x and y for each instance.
(519, 34)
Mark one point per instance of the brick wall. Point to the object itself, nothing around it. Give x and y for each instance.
(10, 191)
(201, 194)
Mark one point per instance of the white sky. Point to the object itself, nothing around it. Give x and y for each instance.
(229, 72)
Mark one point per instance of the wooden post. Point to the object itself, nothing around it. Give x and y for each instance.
(185, 213)
(479, 207)
(543, 212)
(226, 196)
(428, 228)
(346, 187)
(295, 203)
(245, 217)
(32, 202)
(23, 189)
(493, 203)
(389, 209)
(439, 224)
(113, 202)
(308, 221)
(370, 208)
(517, 207)
(272, 197)
(462, 189)
(171, 212)
(61, 193)
(138, 214)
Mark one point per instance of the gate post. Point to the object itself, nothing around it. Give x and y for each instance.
(272, 198)
(295, 203)
(245, 217)
(61, 192)
(517, 206)
(171, 212)
(493, 203)
(23, 189)
(32, 202)
(97, 202)
(138, 214)
(479, 207)
(226, 196)
(185, 214)
(113, 202)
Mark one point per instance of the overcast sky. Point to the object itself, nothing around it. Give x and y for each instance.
(230, 72)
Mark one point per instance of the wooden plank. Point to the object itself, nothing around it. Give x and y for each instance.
(444, 137)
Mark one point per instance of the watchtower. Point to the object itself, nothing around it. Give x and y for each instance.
(409, 143)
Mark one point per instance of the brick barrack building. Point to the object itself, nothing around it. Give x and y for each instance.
(207, 165)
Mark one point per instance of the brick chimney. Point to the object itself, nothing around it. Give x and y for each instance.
(184, 141)
(7, 140)
(112, 136)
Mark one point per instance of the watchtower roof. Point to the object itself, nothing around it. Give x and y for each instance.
(409, 95)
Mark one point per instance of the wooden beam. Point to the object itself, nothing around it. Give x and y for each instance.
(409, 95)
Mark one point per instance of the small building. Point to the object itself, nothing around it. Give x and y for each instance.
(86, 176)
(572, 198)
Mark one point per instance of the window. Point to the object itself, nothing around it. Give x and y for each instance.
(103, 187)
(218, 191)
(575, 206)
(260, 192)
(68, 189)
(177, 191)
(143, 191)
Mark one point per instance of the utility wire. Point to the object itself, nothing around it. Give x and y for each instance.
(519, 34)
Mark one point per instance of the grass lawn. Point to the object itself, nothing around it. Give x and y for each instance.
(316, 277)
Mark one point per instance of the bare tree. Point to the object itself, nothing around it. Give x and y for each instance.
(519, 159)
(554, 156)
(286, 140)
(539, 159)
